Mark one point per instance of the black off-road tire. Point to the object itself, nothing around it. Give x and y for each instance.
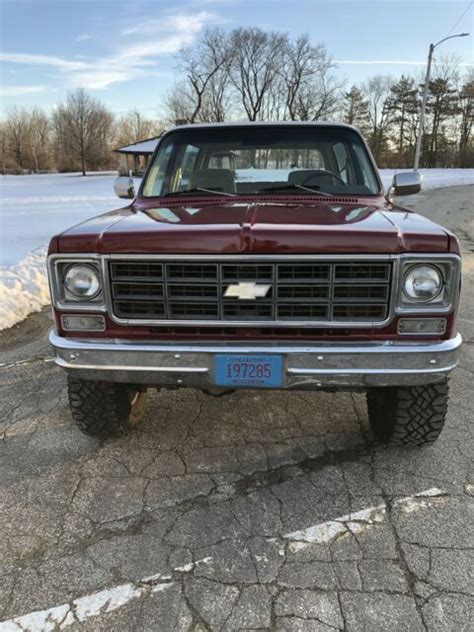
(408, 415)
(105, 409)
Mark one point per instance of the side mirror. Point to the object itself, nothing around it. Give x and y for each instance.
(406, 183)
(124, 187)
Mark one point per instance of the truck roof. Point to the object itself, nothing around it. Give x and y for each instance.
(262, 124)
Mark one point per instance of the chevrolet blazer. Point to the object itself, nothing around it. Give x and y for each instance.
(263, 256)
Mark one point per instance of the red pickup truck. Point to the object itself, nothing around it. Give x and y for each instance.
(259, 256)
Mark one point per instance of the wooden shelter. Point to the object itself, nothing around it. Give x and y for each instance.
(134, 158)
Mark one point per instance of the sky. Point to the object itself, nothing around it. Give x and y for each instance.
(124, 51)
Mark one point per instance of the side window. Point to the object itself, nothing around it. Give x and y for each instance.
(188, 164)
(365, 170)
(343, 163)
(156, 175)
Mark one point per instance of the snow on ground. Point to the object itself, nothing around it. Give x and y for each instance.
(434, 178)
(34, 208)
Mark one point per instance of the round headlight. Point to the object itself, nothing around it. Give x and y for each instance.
(82, 281)
(423, 283)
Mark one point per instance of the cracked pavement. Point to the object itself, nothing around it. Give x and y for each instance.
(255, 511)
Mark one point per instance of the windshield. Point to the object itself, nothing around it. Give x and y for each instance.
(247, 160)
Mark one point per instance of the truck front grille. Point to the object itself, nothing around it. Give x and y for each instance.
(323, 292)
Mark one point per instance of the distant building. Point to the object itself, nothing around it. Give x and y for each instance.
(134, 158)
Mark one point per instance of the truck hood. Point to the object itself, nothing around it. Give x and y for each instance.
(291, 226)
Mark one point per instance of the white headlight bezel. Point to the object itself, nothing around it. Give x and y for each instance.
(62, 299)
(448, 266)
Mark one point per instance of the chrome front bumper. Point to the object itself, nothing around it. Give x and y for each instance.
(324, 365)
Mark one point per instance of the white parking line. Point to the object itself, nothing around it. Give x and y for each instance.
(83, 608)
(326, 532)
(89, 606)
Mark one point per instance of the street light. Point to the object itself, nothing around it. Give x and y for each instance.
(425, 96)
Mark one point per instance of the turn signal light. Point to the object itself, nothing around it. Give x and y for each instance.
(426, 326)
(77, 322)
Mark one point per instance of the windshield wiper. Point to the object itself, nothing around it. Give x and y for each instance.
(294, 187)
(199, 190)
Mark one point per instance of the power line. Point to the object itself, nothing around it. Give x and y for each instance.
(461, 17)
(133, 110)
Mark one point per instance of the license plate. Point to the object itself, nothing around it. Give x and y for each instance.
(252, 371)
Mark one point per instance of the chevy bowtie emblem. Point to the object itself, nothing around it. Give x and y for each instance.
(247, 291)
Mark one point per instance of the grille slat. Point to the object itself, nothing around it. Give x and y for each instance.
(361, 273)
(302, 312)
(324, 291)
(247, 311)
(178, 292)
(235, 273)
(138, 290)
(191, 272)
(307, 293)
(303, 273)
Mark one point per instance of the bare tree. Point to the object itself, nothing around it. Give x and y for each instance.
(217, 100)
(298, 69)
(4, 154)
(17, 130)
(39, 139)
(320, 99)
(178, 103)
(83, 127)
(134, 127)
(377, 92)
(257, 57)
(312, 91)
(202, 64)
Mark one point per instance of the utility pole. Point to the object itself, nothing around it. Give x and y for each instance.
(425, 97)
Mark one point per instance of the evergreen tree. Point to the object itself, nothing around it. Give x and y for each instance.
(403, 104)
(442, 104)
(355, 109)
(466, 110)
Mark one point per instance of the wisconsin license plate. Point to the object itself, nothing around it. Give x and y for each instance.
(252, 371)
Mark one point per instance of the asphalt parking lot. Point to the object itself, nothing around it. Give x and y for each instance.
(255, 511)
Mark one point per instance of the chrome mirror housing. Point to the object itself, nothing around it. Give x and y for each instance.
(124, 187)
(406, 183)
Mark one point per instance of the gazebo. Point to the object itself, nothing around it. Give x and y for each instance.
(134, 158)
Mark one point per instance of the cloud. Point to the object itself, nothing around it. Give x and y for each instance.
(42, 60)
(136, 57)
(83, 37)
(16, 91)
(180, 23)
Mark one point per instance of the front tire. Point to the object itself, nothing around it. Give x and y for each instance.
(105, 409)
(408, 415)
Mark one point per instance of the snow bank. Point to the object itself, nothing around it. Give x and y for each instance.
(23, 288)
